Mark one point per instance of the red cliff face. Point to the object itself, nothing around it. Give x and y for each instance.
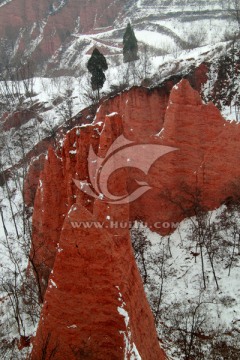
(47, 221)
(94, 306)
(202, 169)
(58, 189)
(94, 281)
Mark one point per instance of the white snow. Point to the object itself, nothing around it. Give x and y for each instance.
(130, 347)
(182, 284)
(154, 39)
(53, 283)
(5, 2)
(112, 114)
(72, 326)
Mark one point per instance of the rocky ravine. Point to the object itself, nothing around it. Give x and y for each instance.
(94, 302)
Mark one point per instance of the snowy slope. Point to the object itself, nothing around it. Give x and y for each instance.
(174, 286)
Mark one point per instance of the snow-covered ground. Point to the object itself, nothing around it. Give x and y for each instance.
(4, 2)
(19, 311)
(174, 285)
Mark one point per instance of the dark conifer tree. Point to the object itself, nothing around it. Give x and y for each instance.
(130, 45)
(96, 65)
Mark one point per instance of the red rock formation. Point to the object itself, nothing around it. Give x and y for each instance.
(32, 179)
(18, 118)
(142, 111)
(131, 105)
(95, 304)
(206, 159)
(79, 141)
(93, 289)
(47, 221)
(80, 313)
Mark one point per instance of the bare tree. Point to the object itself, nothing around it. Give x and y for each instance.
(186, 323)
(202, 231)
(229, 219)
(234, 10)
(140, 244)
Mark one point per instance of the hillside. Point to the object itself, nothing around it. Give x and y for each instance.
(57, 35)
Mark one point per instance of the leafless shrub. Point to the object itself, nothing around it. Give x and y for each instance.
(89, 97)
(234, 10)
(188, 323)
(140, 244)
(195, 38)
